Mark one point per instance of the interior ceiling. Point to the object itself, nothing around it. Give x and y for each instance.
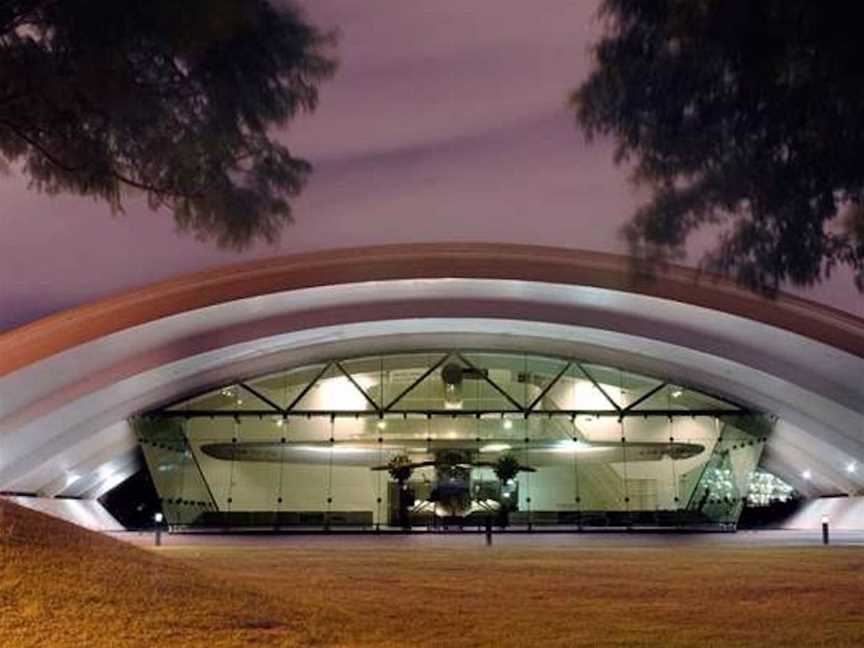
(65, 397)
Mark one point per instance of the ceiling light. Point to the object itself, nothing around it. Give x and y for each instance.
(676, 393)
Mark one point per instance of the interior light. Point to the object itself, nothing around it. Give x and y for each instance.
(676, 393)
(569, 445)
(382, 425)
(508, 424)
(336, 449)
(339, 393)
(586, 397)
(495, 447)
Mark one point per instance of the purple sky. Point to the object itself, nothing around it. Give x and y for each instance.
(446, 121)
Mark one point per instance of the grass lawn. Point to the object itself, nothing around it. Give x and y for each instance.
(60, 585)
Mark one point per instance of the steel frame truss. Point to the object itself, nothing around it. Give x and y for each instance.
(387, 409)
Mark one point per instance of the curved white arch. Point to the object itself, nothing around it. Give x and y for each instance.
(63, 413)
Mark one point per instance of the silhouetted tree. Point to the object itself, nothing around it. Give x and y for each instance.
(743, 116)
(505, 469)
(400, 469)
(178, 99)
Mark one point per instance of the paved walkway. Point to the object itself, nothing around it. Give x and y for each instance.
(588, 540)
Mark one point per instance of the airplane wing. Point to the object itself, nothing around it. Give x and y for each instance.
(483, 453)
(367, 455)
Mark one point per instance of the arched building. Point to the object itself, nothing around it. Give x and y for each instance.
(290, 391)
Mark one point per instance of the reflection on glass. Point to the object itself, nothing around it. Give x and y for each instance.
(434, 440)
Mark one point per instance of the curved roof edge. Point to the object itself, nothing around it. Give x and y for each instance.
(40, 339)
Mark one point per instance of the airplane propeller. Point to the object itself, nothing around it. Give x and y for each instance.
(400, 467)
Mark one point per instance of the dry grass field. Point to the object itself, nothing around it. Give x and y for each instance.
(63, 586)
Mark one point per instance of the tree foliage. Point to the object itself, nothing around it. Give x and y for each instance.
(744, 117)
(506, 468)
(178, 99)
(400, 468)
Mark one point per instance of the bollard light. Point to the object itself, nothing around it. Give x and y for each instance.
(157, 518)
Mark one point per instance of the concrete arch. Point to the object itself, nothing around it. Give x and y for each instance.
(69, 381)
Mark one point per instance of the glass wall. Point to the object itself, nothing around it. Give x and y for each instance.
(435, 440)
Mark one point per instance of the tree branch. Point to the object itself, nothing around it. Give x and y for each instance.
(39, 147)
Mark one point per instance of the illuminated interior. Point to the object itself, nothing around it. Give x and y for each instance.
(440, 440)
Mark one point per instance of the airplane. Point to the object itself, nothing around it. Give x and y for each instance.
(453, 461)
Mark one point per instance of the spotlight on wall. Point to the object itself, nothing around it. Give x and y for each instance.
(807, 475)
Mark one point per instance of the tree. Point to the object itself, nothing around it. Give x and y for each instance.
(179, 100)
(400, 468)
(745, 117)
(505, 468)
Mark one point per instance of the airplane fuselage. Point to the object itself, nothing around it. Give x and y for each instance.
(451, 494)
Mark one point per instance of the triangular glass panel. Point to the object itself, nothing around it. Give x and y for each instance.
(408, 383)
(335, 392)
(674, 398)
(490, 381)
(634, 387)
(231, 398)
(368, 373)
(574, 391)
(539, 378)
(508, 372)
(284, 387)
(623, 387)
(442, 388)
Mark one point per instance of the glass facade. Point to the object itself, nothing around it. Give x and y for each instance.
(433, 440)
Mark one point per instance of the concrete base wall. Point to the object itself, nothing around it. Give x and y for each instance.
(89, 514)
